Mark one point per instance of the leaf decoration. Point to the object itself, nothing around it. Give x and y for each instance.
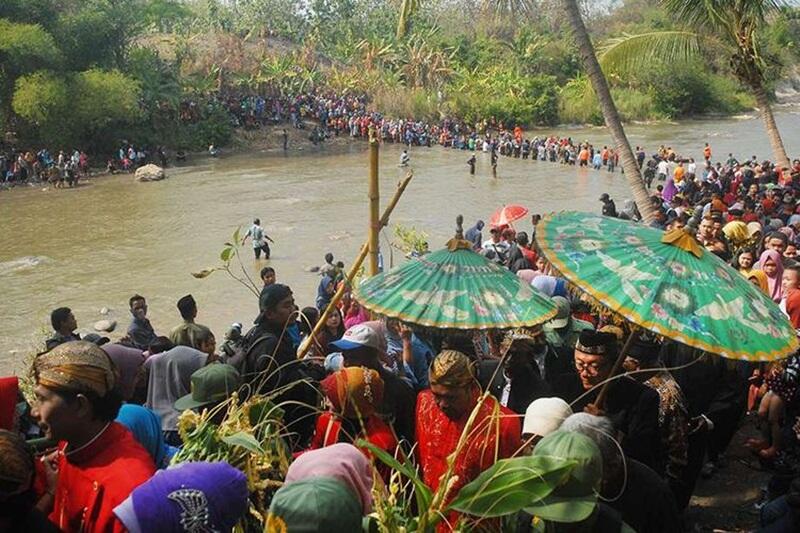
(512, 484)
(244, 440)
(421, 491)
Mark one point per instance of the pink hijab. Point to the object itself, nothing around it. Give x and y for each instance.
(343, 462)
(775, 282)
(357, 317)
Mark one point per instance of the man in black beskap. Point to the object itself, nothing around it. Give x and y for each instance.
(631, 406)
(270, 363)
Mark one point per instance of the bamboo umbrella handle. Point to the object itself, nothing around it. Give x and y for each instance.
(384, 220)
(601, 398)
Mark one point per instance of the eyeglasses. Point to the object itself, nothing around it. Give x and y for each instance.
(589, 368)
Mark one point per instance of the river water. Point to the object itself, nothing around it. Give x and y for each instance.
(98, 244)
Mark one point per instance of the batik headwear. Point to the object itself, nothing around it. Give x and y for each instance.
(452, 369)
(189, 497)
(76, 366)
(16, 467)
(597, 343)
(616, 330)
(354, 391)
(531, 336)
(645, 348)
(340, 461)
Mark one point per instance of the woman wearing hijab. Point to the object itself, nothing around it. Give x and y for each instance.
(343, 462)
(669, 190)
(355, 315)
(474, 236)
(550, 285)
(129, 363)
(736, 233)
(146, 428)
(759, 279)
(325, 292)
(772, 265)
(199, 496)
(354, 394)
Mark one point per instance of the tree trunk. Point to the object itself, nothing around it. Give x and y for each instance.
(610, 114)
(775, 141)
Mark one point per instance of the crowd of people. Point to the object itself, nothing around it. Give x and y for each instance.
(63, 169)
(108, 412)
(401, 388)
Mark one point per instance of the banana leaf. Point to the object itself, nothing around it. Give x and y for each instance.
(510, 485)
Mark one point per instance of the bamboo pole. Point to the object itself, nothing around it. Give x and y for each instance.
(374, 204)
(383, 221)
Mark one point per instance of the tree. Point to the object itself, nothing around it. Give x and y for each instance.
(737, 23)
(609, 110)
(40, 97)
(102, 97)
(24, 48)
(732, 24)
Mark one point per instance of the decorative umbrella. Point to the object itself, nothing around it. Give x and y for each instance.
(668, 284)
(507, 214)
(455, 288)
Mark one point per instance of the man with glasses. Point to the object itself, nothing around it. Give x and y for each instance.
(631, 406)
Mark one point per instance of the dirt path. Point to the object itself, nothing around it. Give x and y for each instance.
(725, 502)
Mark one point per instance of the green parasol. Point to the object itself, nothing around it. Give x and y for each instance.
(668, 284)
(455, 288)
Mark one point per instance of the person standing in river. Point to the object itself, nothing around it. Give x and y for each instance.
(260, 239)
(471, 162)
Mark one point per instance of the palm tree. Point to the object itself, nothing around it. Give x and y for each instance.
(609, 110)
(732, 25)
(408, 8)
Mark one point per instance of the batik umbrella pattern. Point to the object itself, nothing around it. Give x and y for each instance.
(666, 283)
(455, 288)
(507, 214)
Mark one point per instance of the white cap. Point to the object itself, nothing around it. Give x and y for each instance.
(545, 415)
(358, 336)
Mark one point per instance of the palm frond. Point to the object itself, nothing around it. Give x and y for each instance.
(730, 14)
(631, 52)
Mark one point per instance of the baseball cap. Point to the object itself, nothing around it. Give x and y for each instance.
(563, 310)
(544, 416)
(210, 384)
(575, 499)
(358, 336)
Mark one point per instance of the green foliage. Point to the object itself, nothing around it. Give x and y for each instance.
(511, 485)
(100, 98)
(507, 95)
(27, 45)
(410, 240)
(40, 97)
